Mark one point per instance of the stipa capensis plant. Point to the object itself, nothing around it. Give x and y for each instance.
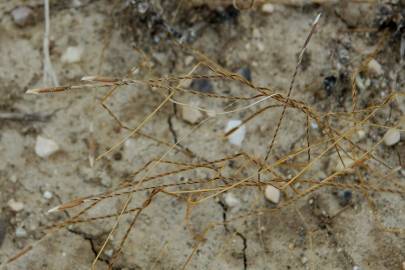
(188, 180)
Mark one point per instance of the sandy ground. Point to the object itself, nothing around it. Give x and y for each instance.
(318, 231)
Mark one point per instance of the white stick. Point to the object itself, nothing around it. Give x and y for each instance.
(49, 73)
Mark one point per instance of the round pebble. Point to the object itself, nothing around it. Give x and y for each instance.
(246, 73)
(392, 136)
(20, 232)
(45, 147)
(272, 194)
(329, 84)
(361, 134)
(72, 55)
(47, 195)
(345, 197)
(268, 8)
(231, 200)
(15, 206)
(237, 137)
(348, 162)
(375, 68)
(22, 15)
(109, 252)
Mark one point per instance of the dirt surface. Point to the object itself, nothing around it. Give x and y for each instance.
(357, 222)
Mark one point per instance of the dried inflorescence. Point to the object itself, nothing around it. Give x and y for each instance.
(294, 171)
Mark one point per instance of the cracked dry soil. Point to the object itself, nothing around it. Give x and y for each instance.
(121, 37)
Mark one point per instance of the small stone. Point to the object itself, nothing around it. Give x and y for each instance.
(45, 147)
(237, 137)
(272, 194)
(375, 68)
(22, 15)
(20, 232)
(76, 3)
(304, 260)
(403, 265)
(246, 73)
(202, 85)
(191, 115)
(314, 125)
(109, 252)
(329, 84)
(360, 83)
(143, 7)
(356, 267)
(392, 137)
(188, 60)
(72, 55)
(345, 197)
(47, 195)
(231, 200)
(361, 134)
(268, 8)
(348, 162)
(15, 206)
(13, 178)
(344, 56)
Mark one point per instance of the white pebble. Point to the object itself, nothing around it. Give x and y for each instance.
(361, 134)
(360, 83)
(375, 68)
(314, 125)
(237, 137)
(356, 267)
(20, 232)
(109, 252)
(15, 206)
(272, 194)
(348, 162)
(188, 60)
(231, 200)
(45, 147)
(47, 195)
(22, 15)
(392, 136)
(268, 8)
(72, 55)
(13, 178)
(191, 115)
(304, 260)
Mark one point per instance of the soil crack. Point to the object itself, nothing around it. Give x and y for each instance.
(239, 234)
(91, 240)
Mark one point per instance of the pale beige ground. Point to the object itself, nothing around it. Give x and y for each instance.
(268, 44)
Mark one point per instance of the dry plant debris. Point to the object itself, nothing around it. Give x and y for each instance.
(285, 176)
